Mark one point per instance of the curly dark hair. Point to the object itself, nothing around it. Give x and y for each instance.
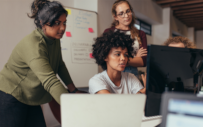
(175, 40)
(44, 11)
(109, 40)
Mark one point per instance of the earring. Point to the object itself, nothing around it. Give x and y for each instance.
(44, 29)
(117, 22)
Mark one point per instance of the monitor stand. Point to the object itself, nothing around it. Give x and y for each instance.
(199, 84)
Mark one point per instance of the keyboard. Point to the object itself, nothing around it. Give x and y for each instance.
(144, 118)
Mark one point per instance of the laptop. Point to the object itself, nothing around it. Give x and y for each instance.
(102, 110)
(181, 110)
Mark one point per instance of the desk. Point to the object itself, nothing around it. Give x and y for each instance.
(151, 123)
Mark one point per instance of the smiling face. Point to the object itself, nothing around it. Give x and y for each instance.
(123, 14)
(57, 30)
(117, 59)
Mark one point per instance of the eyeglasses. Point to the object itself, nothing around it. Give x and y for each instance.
(122, 14)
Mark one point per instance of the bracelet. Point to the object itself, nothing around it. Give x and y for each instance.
(74, 91)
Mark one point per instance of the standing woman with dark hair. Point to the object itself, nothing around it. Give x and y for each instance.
(124, 20)
(29, 77)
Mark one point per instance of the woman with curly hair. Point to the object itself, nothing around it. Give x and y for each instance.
(181, 42)
(112, 51)
(124, 20)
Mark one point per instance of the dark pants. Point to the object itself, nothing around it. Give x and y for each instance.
(16, 114)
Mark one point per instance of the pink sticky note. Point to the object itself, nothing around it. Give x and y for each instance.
(91, 55)
(91, 30)
(68, 34)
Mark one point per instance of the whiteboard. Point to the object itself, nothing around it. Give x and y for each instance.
(76, 45)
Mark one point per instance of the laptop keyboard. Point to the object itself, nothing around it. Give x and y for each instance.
(144, 118)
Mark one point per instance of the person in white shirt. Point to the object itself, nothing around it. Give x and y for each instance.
(112, 52)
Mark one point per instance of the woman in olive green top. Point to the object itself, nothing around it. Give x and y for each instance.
(29, 77)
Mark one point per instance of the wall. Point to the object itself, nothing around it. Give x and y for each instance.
(199, 39)
(104, 15)
(178, 27)
(191, 34)
(162, 31)
(14, 25)
(86, 4)
(68, 3)
(147, 10)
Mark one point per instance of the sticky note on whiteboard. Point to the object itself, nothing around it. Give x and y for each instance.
(91, 30)
(69, 11)
(68, 34)
(91, 55)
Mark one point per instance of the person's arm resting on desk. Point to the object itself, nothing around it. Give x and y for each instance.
(65, 77)
(103, 92)
(97, 86)
(42, 69)
(136, 86)
(37, 59)
(144, 79)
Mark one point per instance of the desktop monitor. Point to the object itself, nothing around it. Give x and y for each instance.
(181, 110)
(171, 69)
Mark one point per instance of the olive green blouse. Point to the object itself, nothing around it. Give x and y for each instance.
(30, 73)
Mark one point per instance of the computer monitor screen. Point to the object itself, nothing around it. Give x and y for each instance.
(181, 110)
(184, 113)
(171, 69)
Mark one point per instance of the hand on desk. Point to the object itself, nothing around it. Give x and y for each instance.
(144, 79)
(73, 89)
(80, 91)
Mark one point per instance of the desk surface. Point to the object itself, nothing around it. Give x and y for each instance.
(151, 123)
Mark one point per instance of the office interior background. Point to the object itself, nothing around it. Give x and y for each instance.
(160, 19)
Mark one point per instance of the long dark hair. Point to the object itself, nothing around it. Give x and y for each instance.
(134, 31)
(46, 12)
